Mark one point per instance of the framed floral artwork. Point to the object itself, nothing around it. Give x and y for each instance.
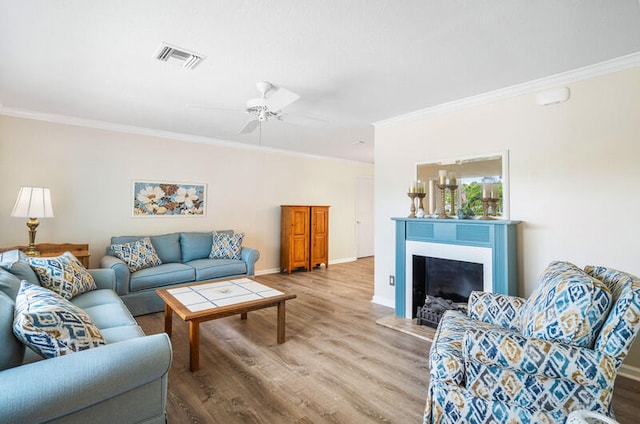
(152, 198)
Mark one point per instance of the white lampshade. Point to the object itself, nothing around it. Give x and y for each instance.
(33, 202)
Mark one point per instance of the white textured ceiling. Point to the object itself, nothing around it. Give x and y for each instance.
(352, 62)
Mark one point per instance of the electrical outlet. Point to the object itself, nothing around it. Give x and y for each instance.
(392, 280)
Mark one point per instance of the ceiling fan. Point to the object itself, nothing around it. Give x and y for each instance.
(269, 105)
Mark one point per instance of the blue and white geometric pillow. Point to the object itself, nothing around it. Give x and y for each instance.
(51, 325)
(138, 254)
(63, 274)
(226, 246)
(568, 306)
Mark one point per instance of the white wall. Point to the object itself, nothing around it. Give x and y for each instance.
(91, 172)
(574, 175)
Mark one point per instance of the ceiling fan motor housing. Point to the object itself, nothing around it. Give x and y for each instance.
(259, 108)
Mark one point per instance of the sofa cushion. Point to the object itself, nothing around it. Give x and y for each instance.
(12, 351)
(568, 306)
(110, 315)
(63, 274)
(51, 325)
(17, 263)
(137, 254)
(9, 284)
(119, 334)
(161, 275)
(226, 246)
(195, 245)
(96, 297)
(168, 247)
(209, 269)
(621, 321)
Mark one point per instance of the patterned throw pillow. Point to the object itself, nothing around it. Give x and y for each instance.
(138, 254)
(568, 306)
(63, 274)
(226, 246)
(50, 325)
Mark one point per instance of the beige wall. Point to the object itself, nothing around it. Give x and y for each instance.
(574, 175)
(91, 173)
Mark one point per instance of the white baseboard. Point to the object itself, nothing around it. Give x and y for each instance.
(384, 301)
(277, 270)
(629, 372)
(341, 261)
(268, 271)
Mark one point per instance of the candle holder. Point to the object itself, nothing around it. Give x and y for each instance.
(494, 206)
(413, 204)
(485, 208)
(452, 189)
(420, 196)
(443, 213)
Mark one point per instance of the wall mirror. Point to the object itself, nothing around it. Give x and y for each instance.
(470, 172)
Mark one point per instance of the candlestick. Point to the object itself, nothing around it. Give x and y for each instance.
(420, 197)
(443, 213)
(453, 189)
(485, 208)
(413, 204)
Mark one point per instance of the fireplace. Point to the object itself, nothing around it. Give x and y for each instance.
(447, 282)
(449, 262)
(490, 245)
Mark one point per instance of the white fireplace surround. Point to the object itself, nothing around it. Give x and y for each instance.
(480, 255)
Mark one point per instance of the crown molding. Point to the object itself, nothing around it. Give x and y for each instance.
(130, 129)
(603, 68)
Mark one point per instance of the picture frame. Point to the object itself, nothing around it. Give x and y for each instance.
(169, 199)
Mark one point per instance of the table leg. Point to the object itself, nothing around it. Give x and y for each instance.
(281, 325)
(194, 346)
(168, 318)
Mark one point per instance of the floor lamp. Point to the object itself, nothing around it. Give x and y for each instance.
(33, 203)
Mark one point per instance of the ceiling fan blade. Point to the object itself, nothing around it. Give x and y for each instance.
(302, 120)
(280, 98)
(193, 106)
(249, 127)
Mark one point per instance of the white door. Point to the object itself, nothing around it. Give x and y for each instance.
(364, 216)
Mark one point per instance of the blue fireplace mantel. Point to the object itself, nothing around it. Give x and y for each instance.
(498, 235)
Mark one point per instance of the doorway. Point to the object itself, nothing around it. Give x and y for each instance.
(364, 216)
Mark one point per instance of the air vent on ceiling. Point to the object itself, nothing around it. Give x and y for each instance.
(183, 57)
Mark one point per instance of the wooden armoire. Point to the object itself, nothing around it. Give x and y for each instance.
(304, 237)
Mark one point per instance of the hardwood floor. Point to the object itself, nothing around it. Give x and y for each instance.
(336, 366)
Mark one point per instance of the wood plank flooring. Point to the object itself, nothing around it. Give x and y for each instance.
(336, 366)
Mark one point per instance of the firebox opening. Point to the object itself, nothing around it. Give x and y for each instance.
(447, 279)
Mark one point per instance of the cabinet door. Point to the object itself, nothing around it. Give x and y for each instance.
(294, 238)
(319, 236)
(299, 237)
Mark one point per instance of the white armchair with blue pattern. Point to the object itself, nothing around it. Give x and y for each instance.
(512, 360)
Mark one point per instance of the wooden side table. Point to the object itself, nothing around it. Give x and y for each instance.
(47, 250)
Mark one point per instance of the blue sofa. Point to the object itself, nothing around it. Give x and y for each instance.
(185, 259)
(124, 381)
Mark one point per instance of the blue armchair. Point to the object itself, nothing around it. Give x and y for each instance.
(535, 360)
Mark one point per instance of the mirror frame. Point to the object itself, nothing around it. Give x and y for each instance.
(450, 163)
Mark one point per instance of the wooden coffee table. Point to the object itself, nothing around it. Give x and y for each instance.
(196, 303)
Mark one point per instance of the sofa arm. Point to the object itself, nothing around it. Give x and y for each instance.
(505, 349)
(121, 270)
(104, 278)
(496, 309)
(250, 256)
(51, 388)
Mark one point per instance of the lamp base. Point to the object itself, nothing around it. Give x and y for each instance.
(32, 224)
